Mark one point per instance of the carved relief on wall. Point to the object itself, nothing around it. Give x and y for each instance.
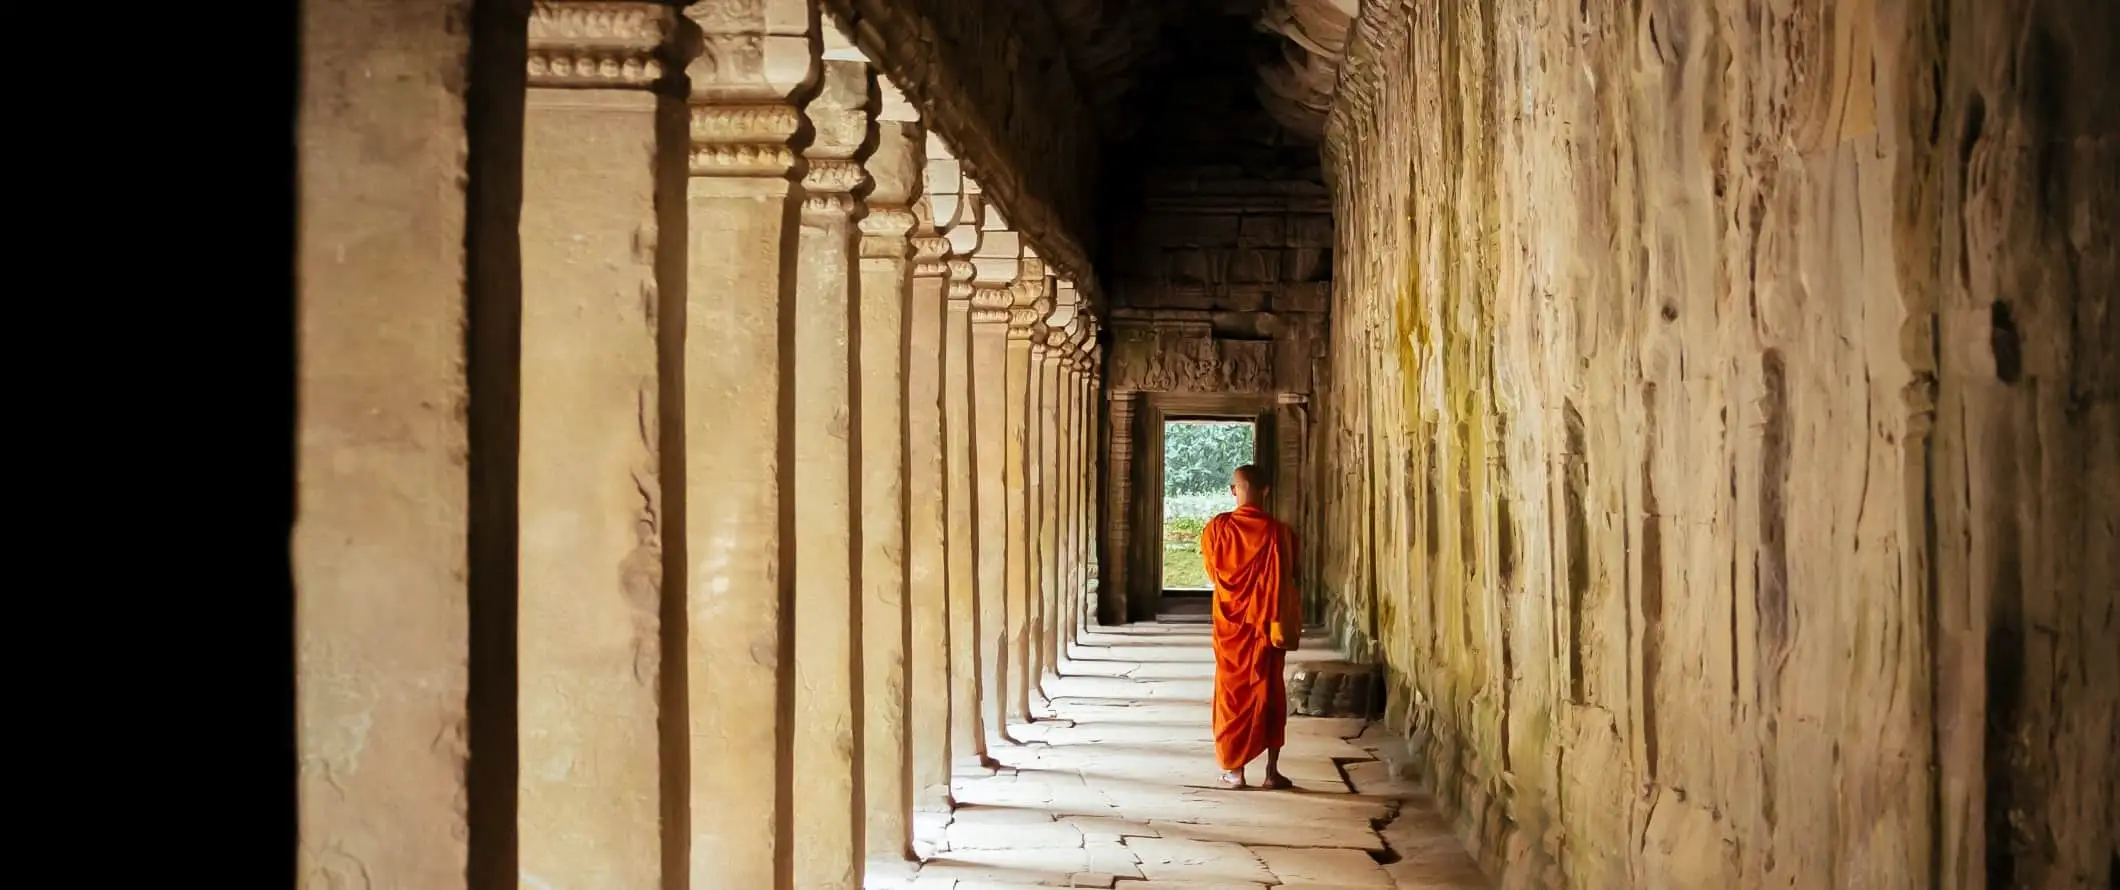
(1189, 359)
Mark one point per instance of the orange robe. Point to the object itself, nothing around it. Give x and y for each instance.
(1246, 553)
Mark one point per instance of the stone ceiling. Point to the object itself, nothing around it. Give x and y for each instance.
(1039, 97)
(1116, 48)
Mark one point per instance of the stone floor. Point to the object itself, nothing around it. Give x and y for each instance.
(1115, 789)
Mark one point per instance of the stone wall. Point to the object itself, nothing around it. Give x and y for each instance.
(1723, 454)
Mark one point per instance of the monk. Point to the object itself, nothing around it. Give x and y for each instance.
(1251, 560)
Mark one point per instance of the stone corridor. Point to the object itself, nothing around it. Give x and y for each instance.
(723, 426)
(1114, 787)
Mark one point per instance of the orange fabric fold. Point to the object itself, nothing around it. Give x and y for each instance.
(1246, 552)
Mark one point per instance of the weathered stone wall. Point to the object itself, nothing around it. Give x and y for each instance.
(1722, 449)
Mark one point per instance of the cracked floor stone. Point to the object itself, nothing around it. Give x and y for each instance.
(1117, 791)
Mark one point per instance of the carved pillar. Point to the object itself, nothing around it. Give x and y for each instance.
(1047, 506)
(828, 605)
(927, 537)
(957, 217)
(741, 205)
(1063, 502)
(1118, 498)
(1084, 608)
(894, 166)
(995, 265)
(1034, 494)
(1076, 472)
(1016, 472)
(404, 531)
(1097, 465)
(589, 654)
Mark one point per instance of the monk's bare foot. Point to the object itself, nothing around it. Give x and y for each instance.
(1278, 782)
(1232, 779)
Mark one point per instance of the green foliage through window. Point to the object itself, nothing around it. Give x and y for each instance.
(1198, 457)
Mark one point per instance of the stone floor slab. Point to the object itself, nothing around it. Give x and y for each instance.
(1190, 860)
(1332, 867)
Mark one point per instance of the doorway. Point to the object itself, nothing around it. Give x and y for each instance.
(1198, 458)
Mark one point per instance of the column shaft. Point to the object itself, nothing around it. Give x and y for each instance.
(384, 582)
(1034, 494)
(886, 279)
(968, 658)
(1049, 488)
(1071, 521)
(589, 652)
(740, 592)
(1016, 478)
(740, 295)
(1094, 467)
(928, 529)
(828, 810)
(989, 418)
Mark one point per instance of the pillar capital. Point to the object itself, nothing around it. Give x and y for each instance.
(895, 172)
(839, 120)
(930, 255)
(590, 44)
(755, 59)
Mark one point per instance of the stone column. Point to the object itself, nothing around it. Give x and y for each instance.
(389, 472)
(1115, 609)
(927, 555)
(1024, 313)
(894, 166)
(957, 217)
(1066, 325)
(1063, 502)
(1034, 494)
(995, 266)
(1082, 608)
(589, 654)
(742, 206)
(1071, 497)
(1051, 484)
(1096, 468)
(828, 605)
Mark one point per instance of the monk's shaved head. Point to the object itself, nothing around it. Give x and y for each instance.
(1249, 484)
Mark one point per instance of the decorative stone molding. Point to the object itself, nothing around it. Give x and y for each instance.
(990, 304)
(884, 231)
(1030, 299)
(960, 279)
(600, 45)
(1190, 359)
(930, 256)
(743, 84)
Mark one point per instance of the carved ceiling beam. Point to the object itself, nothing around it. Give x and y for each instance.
(1001, 92)
(1298, 90)
(1379, 31)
